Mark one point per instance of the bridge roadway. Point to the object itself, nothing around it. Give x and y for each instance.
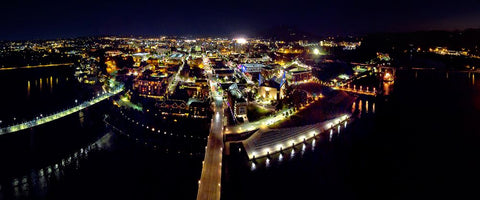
(49, 118)
(35, 66)
(209, 186)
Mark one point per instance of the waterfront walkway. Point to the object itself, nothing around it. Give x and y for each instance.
(58, 115)
(364, 92)
(268, 141)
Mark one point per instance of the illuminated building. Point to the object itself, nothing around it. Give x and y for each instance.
(173, 107)
(181, 108)
(199, 109)
(388, 77)
(290, 50)
(296, 73)
(251, 67)
(237, 102)
(446, 51)
(383, 56)
(274, 86)
(113, 53)
(151, 87)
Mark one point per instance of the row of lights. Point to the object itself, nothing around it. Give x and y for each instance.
(292, 153)
(158, 131)
(41, 117)
(21, 186)
(219, 164)
(280, 155)
(156, 147)
(304, 138)
(360, 88)
(153, 130)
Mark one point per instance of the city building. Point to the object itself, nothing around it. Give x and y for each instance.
(296, 73)
(151, 86)
(237, 102)
(251, 67)
(273, 89)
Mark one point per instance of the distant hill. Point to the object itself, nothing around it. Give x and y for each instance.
(469, 38)
(285, 33)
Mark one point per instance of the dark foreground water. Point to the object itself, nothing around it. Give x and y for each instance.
(422, 142)
(80, 157)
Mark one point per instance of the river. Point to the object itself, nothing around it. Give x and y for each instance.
(422, 141)
(80, 157)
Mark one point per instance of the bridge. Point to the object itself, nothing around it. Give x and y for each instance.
(58, 115)
(36, 66)
(209, 185)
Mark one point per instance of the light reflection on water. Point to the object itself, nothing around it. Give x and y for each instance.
(28, 88)
(362, 106)
(309, 146)
(38, 181)
(401, 100)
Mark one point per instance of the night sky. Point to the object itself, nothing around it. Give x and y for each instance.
(21, 19)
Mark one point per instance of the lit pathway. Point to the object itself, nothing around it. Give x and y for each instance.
(35, 66)
(49, 118)
(265, 122)
(262, 123)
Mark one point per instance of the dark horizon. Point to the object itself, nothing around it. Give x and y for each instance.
(226, 35)
(71, 19)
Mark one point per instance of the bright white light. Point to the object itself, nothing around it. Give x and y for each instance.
(316, 51)
(266, 150)
(302, 138)
(292, 142)
(280, 147)
(241, 40)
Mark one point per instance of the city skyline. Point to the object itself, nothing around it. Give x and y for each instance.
(239, 100)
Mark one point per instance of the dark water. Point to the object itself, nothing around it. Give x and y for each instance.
(422, 143)
(26, 93)
(80, 157)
